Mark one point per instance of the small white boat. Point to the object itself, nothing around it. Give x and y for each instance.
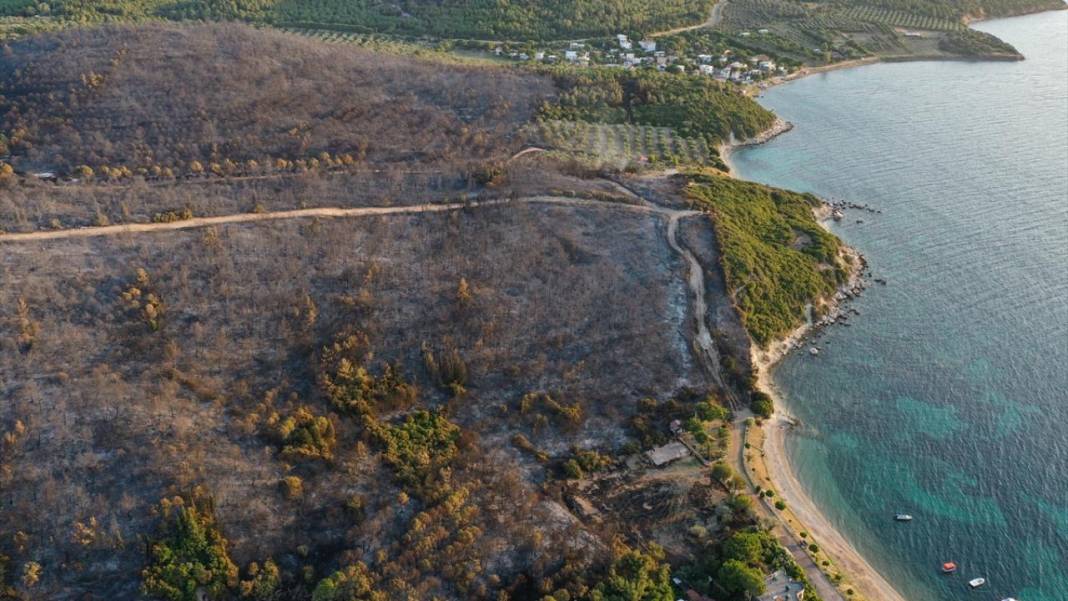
(976, 582)
(903, 517)
(813, 351)
(1009, 599)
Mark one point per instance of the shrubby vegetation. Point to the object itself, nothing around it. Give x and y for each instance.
(973, 42)
(583, 462)
(636, 576)
(762, 404)
(141, 300)
(190, 555)
(777, 259)
(420, 446)
(352, 583)
(303, 435)
(347, 379)
(734, 567)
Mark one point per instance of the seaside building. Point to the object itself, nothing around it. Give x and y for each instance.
(780, 587)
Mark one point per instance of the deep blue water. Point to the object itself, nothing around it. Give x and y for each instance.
(948, 396)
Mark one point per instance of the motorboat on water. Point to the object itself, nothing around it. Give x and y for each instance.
(949, 567)
(1009, 599)
(976, 582)
(903, 517)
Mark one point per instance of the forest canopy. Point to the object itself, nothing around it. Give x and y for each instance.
(480, 19)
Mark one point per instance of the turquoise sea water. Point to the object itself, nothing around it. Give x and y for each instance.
(948, 396)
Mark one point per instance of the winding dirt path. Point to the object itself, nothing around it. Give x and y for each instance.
(199, 222)
(713, 19)
(706, 347)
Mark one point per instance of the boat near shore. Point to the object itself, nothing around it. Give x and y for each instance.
(903, 517)
(949, 567)
(976, 582)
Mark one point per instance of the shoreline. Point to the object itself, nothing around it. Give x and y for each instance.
(779, 127)
(857, 572)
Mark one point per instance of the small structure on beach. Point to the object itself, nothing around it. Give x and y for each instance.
(665, 454)
(780, 587)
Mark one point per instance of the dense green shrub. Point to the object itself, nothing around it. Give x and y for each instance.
(762, 404)
(303, 434)
(417, 448)
(737, 578)
(777, 258)
(190, 554)
(348, 382)
(636, 576)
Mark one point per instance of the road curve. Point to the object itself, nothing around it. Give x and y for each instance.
(713, 19)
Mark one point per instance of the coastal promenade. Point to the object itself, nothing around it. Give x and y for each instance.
(826, 589)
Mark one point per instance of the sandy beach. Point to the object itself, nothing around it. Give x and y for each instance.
(859, 573)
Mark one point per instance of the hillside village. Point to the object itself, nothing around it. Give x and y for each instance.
(732, 64)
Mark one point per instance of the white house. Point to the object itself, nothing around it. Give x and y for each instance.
(706, 69)
(624, 42)
(570, 55)
(648, 45)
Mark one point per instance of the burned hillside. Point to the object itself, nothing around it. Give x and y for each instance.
(167, 100)
(147, 366)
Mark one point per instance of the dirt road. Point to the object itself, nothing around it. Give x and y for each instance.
(713, 19)
(706, 347)
(327, 212)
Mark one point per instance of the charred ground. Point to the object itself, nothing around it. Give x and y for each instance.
(447, 404)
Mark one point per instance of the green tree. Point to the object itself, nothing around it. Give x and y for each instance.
(722, 472)
(353, 583)
(746, 547)
(737, 578)
(190, 556)
(636, 576)
(762, 404)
